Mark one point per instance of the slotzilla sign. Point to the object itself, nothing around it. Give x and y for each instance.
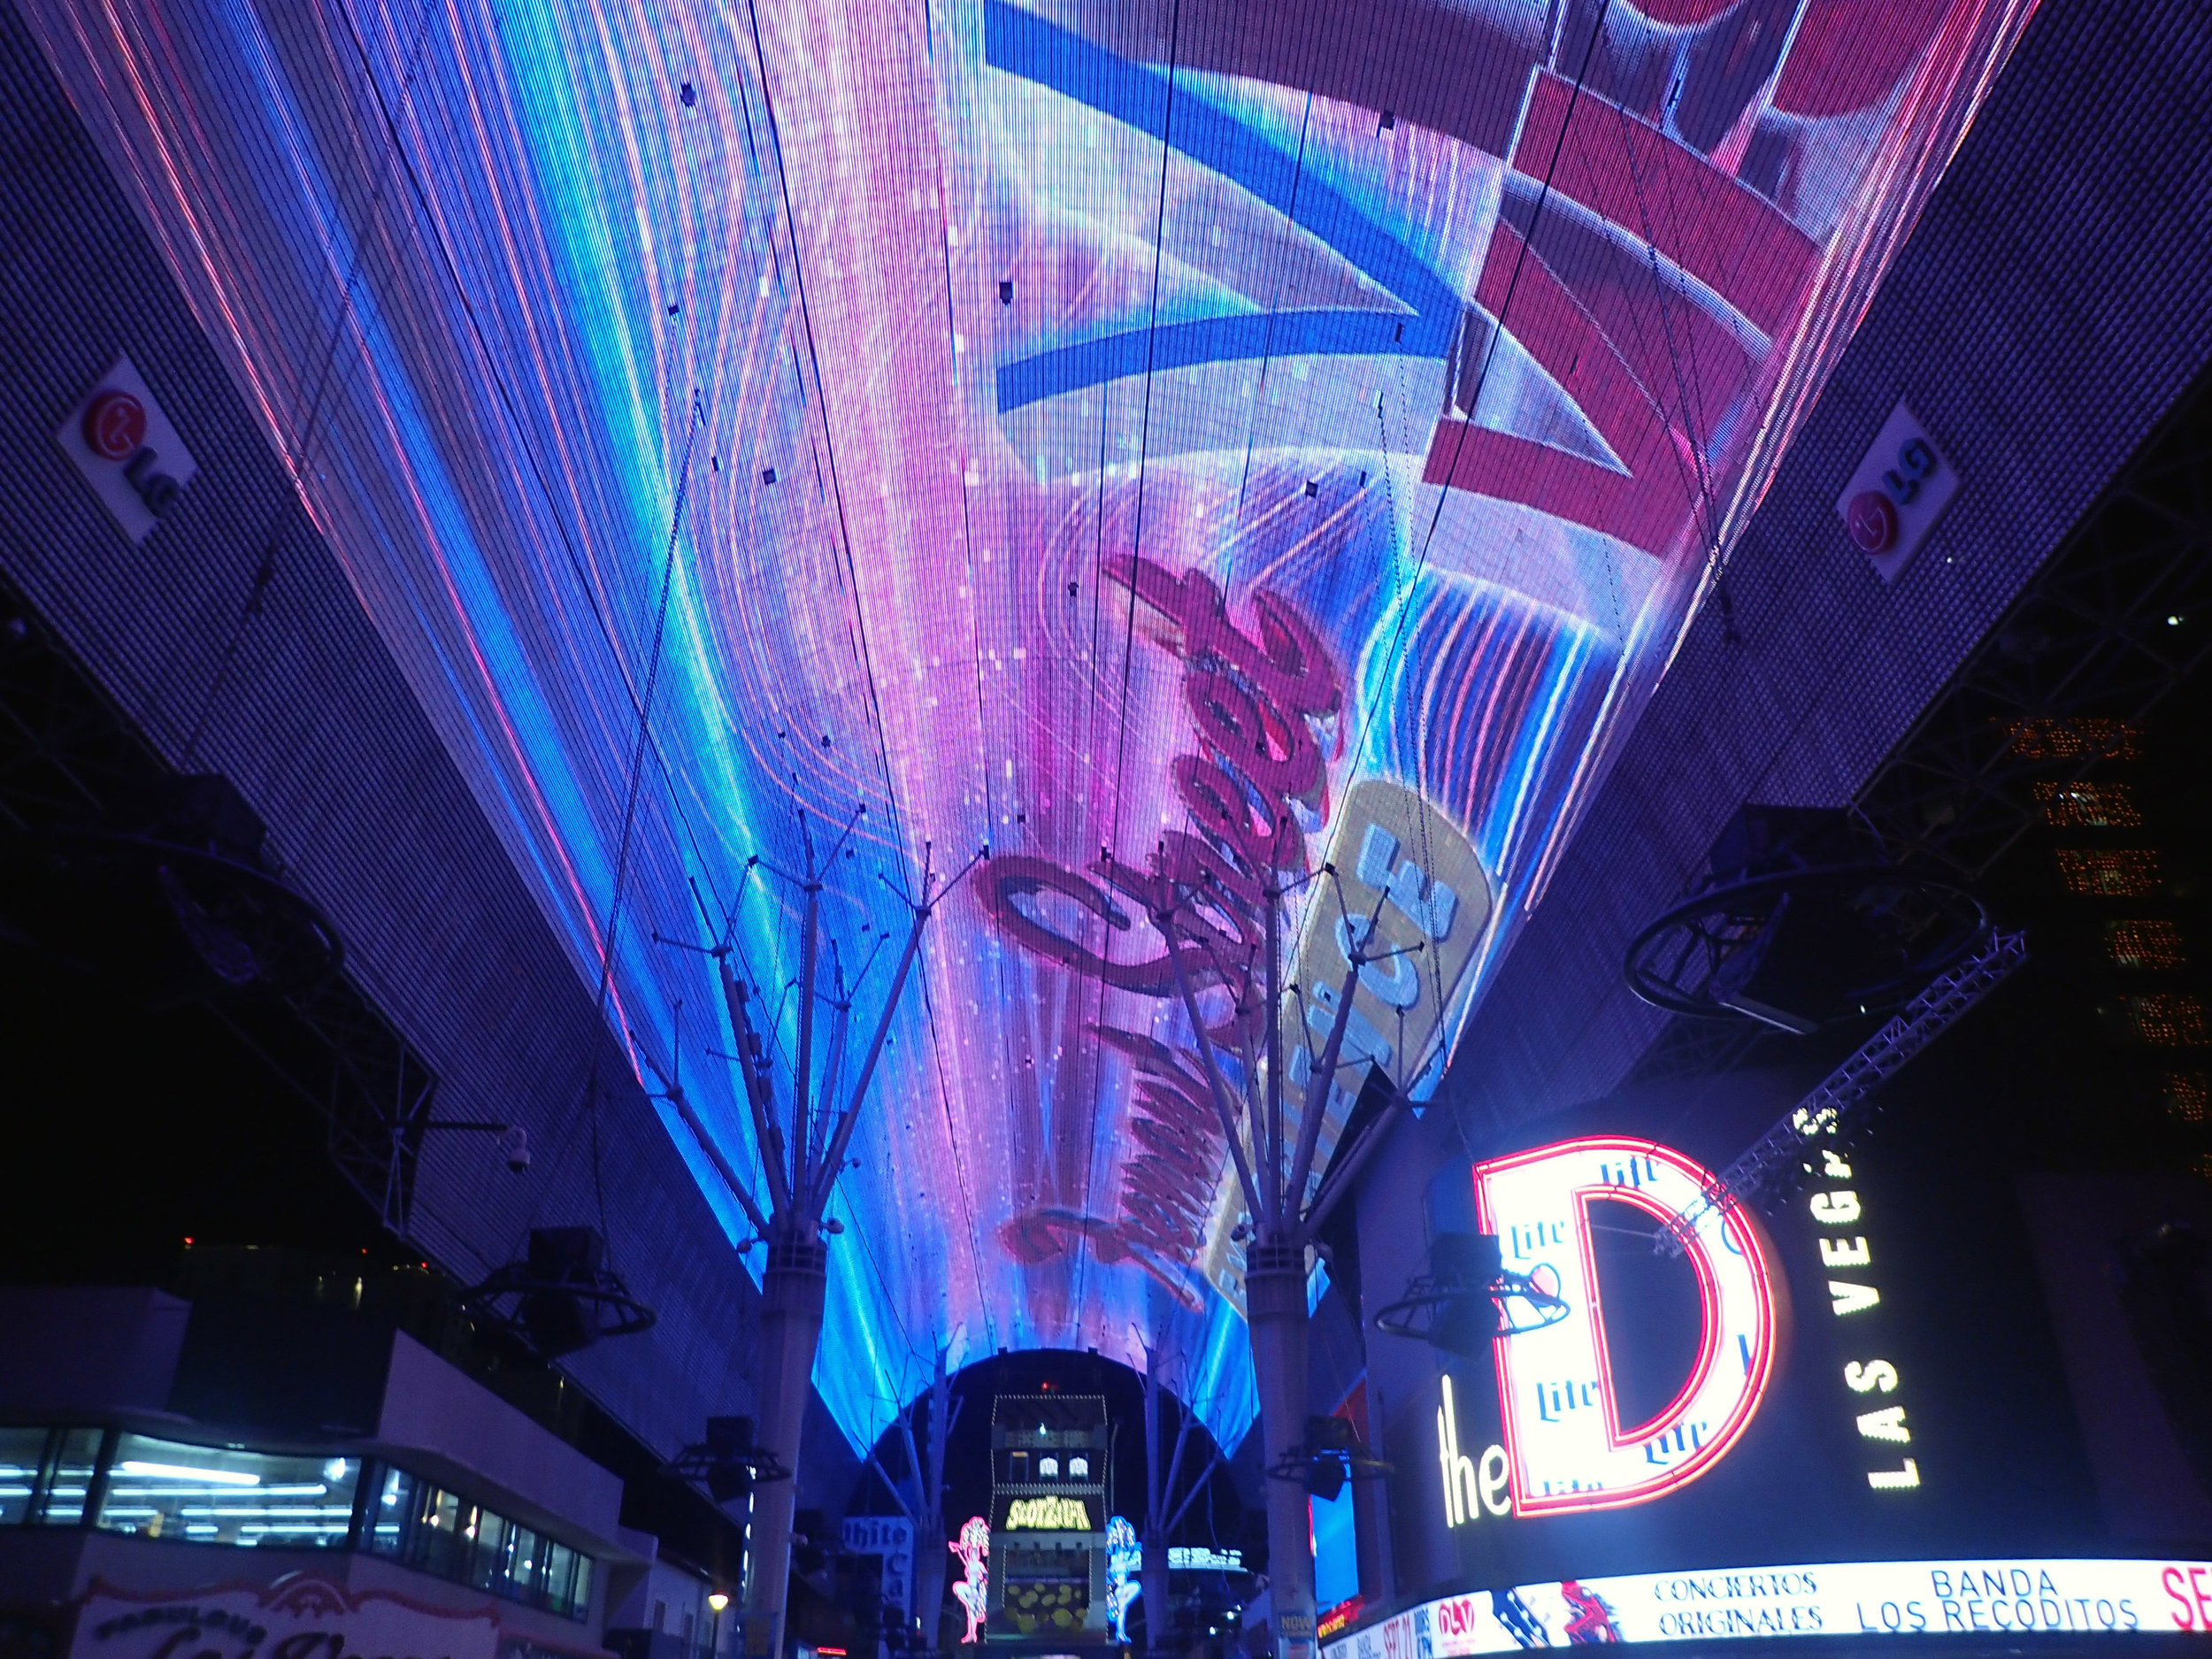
(301, 1618)
(1862, 1598)
(1049, 1515)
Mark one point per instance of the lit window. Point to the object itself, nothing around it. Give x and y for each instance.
(2089, 805)
(45, 1475)
(2167, 1021)
(1078, 1469)
(2063, 739)
(2145, 944)
(441, 1533)
(1047, 1468)
(2184, 1093)
(209, 1496)
(2114, 875)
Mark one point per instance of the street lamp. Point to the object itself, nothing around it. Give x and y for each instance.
(716, 1600)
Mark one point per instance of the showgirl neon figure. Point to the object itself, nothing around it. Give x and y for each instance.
(1124, 1559)
(974, 1550)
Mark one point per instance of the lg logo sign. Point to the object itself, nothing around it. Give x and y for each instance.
(1900, 488)
(127, 450)
(1566, 1446)
(115, 430)
(115, 424)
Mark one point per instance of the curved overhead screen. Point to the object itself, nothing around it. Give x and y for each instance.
(1212, 438)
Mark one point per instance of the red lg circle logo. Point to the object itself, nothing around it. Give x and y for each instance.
(1872, 520)
(115, 426)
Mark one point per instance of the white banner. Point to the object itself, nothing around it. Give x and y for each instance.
(300, 1617)
(1862, 1598)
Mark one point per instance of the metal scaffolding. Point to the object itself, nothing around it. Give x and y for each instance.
(69, 758)
(1827, 1116)
(2110, 625)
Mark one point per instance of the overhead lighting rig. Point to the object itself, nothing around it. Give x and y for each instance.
(561, 1296)
(729, 1463)
(1331, 1453)
(1826, 1120)
(1801, 924)
(1466, 1299)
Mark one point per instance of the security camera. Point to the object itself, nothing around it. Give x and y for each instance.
(516, 1144)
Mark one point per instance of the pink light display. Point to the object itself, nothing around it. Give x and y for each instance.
(1177, 443)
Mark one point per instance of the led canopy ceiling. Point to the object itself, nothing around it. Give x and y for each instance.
(1180, 445)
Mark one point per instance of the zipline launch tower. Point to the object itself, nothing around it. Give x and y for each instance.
(1051, 1488)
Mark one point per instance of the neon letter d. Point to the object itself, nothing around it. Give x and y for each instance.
(1565, 1442)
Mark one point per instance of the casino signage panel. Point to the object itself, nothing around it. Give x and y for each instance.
(1865, 1600)
(1568, 1446)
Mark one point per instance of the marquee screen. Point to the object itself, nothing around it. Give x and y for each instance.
(1212, 438)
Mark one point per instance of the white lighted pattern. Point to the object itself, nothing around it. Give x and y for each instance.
(1198, 1558)
(1565, 1443)
(1860, 1598)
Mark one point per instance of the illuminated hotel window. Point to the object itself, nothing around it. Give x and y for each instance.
(425, 1527)
(21, 1452)
(1047, 1468)
(2145, 944)
(1018, 1466)
(2169, 1021)
(208, 1495)
(2114, 875)
(2091, 805)
(1078, 1469)
(2061, 740)
(45, 1475)
(2184, 1093)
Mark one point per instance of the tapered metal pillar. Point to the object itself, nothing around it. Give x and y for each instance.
(1158, 1615)
(929, 1552)
(790, 1331)
(1152, 1573)
(1275, 1309)
(1283, 1223)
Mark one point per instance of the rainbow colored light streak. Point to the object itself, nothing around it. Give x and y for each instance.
(1001, 339)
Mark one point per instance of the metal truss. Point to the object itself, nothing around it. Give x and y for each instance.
(2062, 682)
(1824, 1119)
(69, 756)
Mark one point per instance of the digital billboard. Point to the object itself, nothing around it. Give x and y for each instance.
(1908, 1390)
(1181, 446)
(1877, 1599)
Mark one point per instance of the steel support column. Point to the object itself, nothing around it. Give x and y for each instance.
(790, 1331)
(1275, 1308)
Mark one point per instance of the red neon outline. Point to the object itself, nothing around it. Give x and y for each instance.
(1762, 1371)
(1708, 1335)
(271, 1596)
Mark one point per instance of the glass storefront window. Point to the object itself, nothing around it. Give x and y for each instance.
(22, 1456)
(439, 1532)
(522, 1566)
(579, 1598)
(392, 1513)
(492, 1534)
(560, 1567)
(442, 1545)
(212, 1495)
(71, 1459)
(207, 1494)
(45, 1475)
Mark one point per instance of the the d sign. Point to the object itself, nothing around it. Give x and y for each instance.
(1565, 1443)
